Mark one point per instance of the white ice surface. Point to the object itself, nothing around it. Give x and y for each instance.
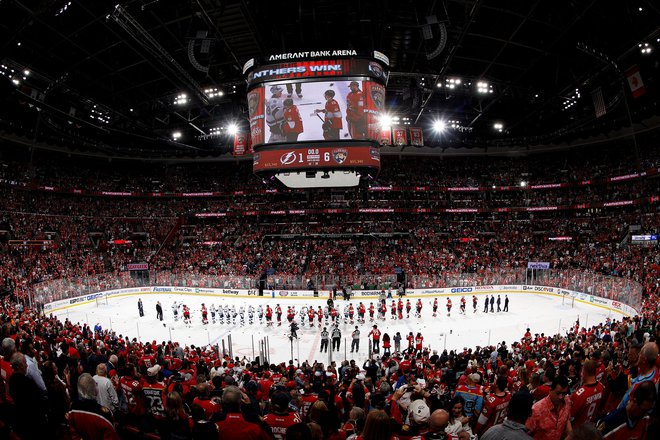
(542, 313)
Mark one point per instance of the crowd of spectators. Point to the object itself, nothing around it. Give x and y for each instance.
(66, 380)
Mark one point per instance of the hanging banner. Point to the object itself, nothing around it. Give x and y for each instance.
(240, 144)
(385, 136)
(256, 113)
(635, 82)
(538, 265)
(400, 137)
(416, 136)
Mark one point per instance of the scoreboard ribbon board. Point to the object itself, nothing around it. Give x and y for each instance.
(324, 158)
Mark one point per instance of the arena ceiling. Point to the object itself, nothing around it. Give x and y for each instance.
(99, 76)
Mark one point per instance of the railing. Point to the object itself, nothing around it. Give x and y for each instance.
(619, 289)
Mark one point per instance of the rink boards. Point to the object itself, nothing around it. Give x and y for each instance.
(356, 295)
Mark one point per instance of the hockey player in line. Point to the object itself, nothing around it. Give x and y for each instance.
(319, 316)
(186, 314)
(448, 306)
(462, 305)
(221, 315)
(213, 311)
(260, 313)
(372, 310)
(250, 314)
(278, 312)
(269, 316)
(361, 311)
(351, 313)
(474, 304)
(241, 313)
(393, 310)
(408, 308)
(435, 307)
(205, 315)
(175, 311)
(310, 314)
(418, 308)
(303, 315)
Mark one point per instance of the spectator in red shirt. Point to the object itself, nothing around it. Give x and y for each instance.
(550, 418)
(280, 418)
(233, 425)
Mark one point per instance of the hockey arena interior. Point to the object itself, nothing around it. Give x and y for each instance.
(321, 220)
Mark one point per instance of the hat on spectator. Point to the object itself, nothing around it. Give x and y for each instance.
(419, 411)
(153, 371)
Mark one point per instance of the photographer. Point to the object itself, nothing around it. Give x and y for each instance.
(294, 328)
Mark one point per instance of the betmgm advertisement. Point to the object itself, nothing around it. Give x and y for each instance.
(339, 100)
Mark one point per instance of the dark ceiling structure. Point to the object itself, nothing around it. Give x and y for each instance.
(121, 78)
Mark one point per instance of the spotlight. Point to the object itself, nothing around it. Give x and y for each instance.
(523, 184)
(232, 129)
(439, 126)
(385, 121)
(176, 135)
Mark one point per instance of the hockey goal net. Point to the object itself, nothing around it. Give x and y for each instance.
(568, 300)
(102, 300)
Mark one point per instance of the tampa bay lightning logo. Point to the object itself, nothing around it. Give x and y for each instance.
(288, 158)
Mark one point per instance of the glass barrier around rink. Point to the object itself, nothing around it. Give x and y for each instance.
(620, 289)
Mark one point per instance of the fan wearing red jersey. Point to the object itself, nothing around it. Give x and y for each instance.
(588, 398)
(132, 388)
(153, 392)
(280, 418)
(495, 407)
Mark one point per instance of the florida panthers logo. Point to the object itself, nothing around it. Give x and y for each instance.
(340, 155)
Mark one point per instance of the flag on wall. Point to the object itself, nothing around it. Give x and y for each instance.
(635, 82)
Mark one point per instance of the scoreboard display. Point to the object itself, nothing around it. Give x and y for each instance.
(313, 115)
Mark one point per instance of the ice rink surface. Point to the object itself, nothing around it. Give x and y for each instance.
(541, 313)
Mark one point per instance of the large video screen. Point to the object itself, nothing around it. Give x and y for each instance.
(299, 111)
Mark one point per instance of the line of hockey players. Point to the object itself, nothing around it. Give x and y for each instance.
(230, 314)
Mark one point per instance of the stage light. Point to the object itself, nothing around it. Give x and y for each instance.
(439, 126)
(498, 126)
(16, 81)
(26, 72)
(176, 135)
(232, 129)
(523, 184)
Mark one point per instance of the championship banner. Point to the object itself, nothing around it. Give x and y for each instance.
(635, 82)
(256, 113)
(416, 136)
(240, 144)
(385, 136)
(400, 137)
(538, 265)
